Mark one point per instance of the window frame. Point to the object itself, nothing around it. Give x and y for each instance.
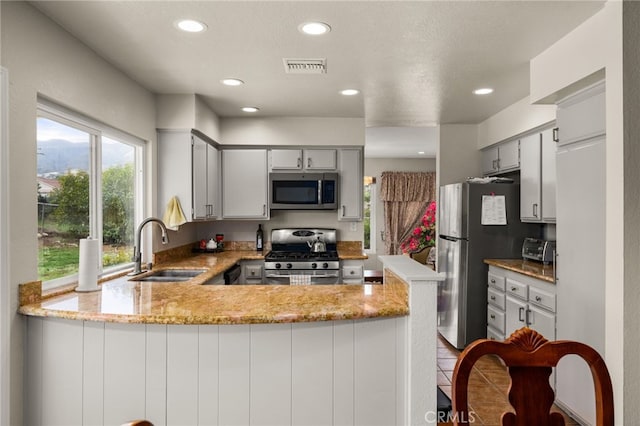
(97, 130)
(372, 217)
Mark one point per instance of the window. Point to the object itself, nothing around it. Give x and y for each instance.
(370, 201)
(89, 185)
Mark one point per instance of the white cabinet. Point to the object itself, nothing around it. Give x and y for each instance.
(307, 159)
(538, 177)
(515, 300)
(351, 185)
(251, 272)
(188, 168)
(245, 187)
(501, 158)
(352, 271)
(580, 236)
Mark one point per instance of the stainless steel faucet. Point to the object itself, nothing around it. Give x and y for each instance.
(137, 254)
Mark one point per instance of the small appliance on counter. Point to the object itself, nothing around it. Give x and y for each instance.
(538, 250)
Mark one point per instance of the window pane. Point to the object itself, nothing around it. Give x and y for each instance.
(118, 202)
(367, 216)
(63, 197)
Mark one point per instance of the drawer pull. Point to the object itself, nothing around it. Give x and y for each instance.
(514, 288)
(493, 281)
(538, 299)
(493, 298)
(493, 317)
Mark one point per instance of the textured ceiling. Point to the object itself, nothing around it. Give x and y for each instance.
(415, 62)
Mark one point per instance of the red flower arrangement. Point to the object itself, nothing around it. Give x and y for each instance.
(424, 235)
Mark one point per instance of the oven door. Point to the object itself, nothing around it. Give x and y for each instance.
(278, 276)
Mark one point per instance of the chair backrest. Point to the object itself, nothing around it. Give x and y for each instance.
(529, 358)
(137, 423)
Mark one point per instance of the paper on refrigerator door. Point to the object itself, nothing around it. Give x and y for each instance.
(494, 210)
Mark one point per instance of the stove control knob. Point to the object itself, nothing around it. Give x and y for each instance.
(325, 265)
(314, 265)
(289, 266)
(278, 266)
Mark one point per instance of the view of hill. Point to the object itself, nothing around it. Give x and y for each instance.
(59, 156)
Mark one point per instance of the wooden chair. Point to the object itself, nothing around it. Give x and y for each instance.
(529, 358)
(137, 423)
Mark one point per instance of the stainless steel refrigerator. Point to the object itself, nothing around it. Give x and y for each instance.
(476, 221)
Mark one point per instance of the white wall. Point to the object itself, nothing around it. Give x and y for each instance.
(292, 131)
(458, 154)
(591, 51)
(374, 167)
(186, 111)
(513, 120)
(44, 59)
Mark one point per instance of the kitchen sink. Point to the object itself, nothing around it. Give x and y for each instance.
(169, 275)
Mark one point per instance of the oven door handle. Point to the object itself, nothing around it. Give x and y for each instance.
(312, 276)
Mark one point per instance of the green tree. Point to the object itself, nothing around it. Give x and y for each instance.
(73, 204)
(117, 203)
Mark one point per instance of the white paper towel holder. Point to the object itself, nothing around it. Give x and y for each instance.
(88, 265)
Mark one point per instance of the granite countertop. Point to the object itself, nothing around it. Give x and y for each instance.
(350, 250)
(527, 267)
(189, 302)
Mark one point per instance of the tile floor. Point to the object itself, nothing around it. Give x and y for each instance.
(489, 383)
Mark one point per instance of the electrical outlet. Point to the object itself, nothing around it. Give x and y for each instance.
(353, 227)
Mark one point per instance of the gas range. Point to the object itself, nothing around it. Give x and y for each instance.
(301, 260)
(291, 256)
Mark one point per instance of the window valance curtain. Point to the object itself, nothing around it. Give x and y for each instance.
(405, 196)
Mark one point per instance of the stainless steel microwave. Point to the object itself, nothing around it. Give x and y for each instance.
(303, 191)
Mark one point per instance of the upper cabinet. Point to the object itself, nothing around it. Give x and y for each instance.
(188, 165)
(351, 185)
(501, 158)
(302, 159)
(245, 184)
(538, 177)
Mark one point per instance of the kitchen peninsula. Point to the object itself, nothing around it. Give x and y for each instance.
(194, 354)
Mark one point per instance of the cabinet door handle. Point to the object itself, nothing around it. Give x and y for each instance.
(514, 288)
(493, 316)
(527, 319)
(344, 211)
(308, 162)
(264, 210)
(538, 299)
(535, 210)
(498, 163)
(555, 134)
(493, 281)
(520, 312)
(555, 264)
(493, 298)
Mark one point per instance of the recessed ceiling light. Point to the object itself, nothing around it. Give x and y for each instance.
(349, 92)
(232, 82)
(420, 152)
(314, 28)
(191, 25)
(483, 91)
(250, 109)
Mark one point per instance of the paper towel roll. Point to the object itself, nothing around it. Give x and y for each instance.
(88, 268)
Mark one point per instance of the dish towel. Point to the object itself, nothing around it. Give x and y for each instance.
(299, 279)
(173, 215)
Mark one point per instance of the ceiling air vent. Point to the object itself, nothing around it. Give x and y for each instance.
(305, 66)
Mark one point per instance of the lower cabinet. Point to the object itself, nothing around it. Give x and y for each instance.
(251, 271)
(352, 271)
(515, 301)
